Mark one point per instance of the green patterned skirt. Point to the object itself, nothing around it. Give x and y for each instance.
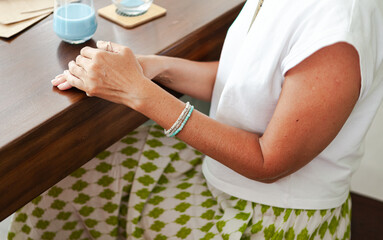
(148, 186)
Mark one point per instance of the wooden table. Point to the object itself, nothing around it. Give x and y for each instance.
(46, 134)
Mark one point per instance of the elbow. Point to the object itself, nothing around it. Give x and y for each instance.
(267, 178)
(272, 167)
(269, 172)
(265, 166)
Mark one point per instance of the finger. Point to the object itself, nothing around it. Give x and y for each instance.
(64, 86)
(58, 80)
(89, 52)
(76, 70)
(73, 80)
(109, 46)
(83, 62)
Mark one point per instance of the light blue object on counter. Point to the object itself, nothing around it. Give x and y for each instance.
(132, 3)
(75, 22)
(132, 7)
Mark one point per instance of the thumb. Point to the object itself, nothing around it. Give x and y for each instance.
(109, 46)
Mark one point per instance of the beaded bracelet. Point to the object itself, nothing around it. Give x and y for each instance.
(179, 121)
(184, 122)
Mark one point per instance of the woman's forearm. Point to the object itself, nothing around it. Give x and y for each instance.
(238, 149)
(192, 78)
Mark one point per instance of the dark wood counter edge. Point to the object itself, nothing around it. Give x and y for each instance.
(71, 138)
(367, 218)
(198, 44)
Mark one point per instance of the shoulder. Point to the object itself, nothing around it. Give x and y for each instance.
(316, 24)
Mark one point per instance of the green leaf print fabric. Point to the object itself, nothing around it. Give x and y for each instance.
(148, 186)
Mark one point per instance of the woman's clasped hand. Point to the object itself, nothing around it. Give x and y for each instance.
(110, 71)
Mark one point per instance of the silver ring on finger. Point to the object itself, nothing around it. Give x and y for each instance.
(109, 45)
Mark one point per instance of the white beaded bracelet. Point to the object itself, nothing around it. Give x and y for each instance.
(179, 121)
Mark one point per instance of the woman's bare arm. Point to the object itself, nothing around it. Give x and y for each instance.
(317, 97)
(192, 78)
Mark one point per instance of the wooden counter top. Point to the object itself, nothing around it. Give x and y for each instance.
(46, 134)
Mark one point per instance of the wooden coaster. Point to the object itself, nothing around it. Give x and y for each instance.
(109, 12)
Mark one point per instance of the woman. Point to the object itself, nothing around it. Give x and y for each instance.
(291, 98)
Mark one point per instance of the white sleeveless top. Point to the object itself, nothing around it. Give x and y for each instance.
(250, 77)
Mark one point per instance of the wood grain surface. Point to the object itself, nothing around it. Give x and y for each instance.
(46, 134)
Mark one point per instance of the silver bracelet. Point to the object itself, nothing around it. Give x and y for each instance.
(179, 121)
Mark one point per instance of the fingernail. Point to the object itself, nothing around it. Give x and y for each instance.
(56, 78)
(54, 82)
(61, 86)
(64, 86)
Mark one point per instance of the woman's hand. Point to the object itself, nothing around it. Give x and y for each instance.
(151, 65)
(110, 71)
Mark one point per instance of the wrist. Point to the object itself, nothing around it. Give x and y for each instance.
(148, 91)
(163, 68)
(160, 106)
(136, 97)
